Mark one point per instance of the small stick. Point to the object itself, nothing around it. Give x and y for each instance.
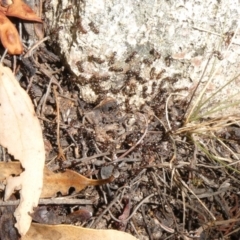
(135, 209)
(138, 142)
(46, 95)
(145, 221)
(60, 150)
(166, 108)
(29, 52)
(92, 225)
(56, 201)
(186, 186)
(4, 55)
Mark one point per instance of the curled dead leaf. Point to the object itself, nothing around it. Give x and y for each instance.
(61, 182)
(21, 10)
(8, 33)
(63, 232)
(9, 36)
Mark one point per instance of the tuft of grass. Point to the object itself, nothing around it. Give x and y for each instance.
(209, 114)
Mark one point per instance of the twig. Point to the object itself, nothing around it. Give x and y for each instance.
(85, 159)
(166, 108)
(207, 31)
(30, 81)
(46, 95)
(145, 221)
(93, 225)
(60, 150)
(135, 209)
(56, 201)
(184, 207)
(186, 186)
(138, 142)
(193, 94)
(29, 52)
(55, 157)
(4, 55)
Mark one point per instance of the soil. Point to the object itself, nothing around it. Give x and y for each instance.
(166, 185)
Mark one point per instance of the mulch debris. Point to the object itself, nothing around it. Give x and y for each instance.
(165, 187)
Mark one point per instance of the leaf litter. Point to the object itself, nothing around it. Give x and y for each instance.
(21, 134)
(172, 180)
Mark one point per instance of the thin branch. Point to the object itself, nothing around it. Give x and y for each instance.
(55, 201)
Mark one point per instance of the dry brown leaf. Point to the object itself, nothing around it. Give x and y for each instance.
(9, 36)
(8, 169)
(21, 10)
(54, 182)
(63, 232)
(61, 182)
(21, 134)
(8, 33)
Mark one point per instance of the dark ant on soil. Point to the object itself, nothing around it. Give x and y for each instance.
(95, 78)
(158, 76)
(218, 55)
(56, 30)
(68, 8)
(168, 60)
(140, 79)
(98, 60)
(112, 59)
(130, 57)
(154, 86)
(115, 91)
(147, 61)
(80, 26)
(82, 80)
(156, 54)
(152, 72)
(128, 105)
(47, 5)
(132, 73)
(144, 91)
(115, 69)
(228, 37)
(180, 89)
(93, 28)
(104, 78)
(79, 66)
(170, 79)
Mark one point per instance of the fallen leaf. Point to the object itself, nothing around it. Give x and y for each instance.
(9, 36)
(8, 33)
(126, 212)
(21, 10)
(8, 169)
(21, 134)
(61, 182)
(54, 182)
(63, 232)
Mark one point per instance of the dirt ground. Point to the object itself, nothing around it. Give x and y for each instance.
(167, 184)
